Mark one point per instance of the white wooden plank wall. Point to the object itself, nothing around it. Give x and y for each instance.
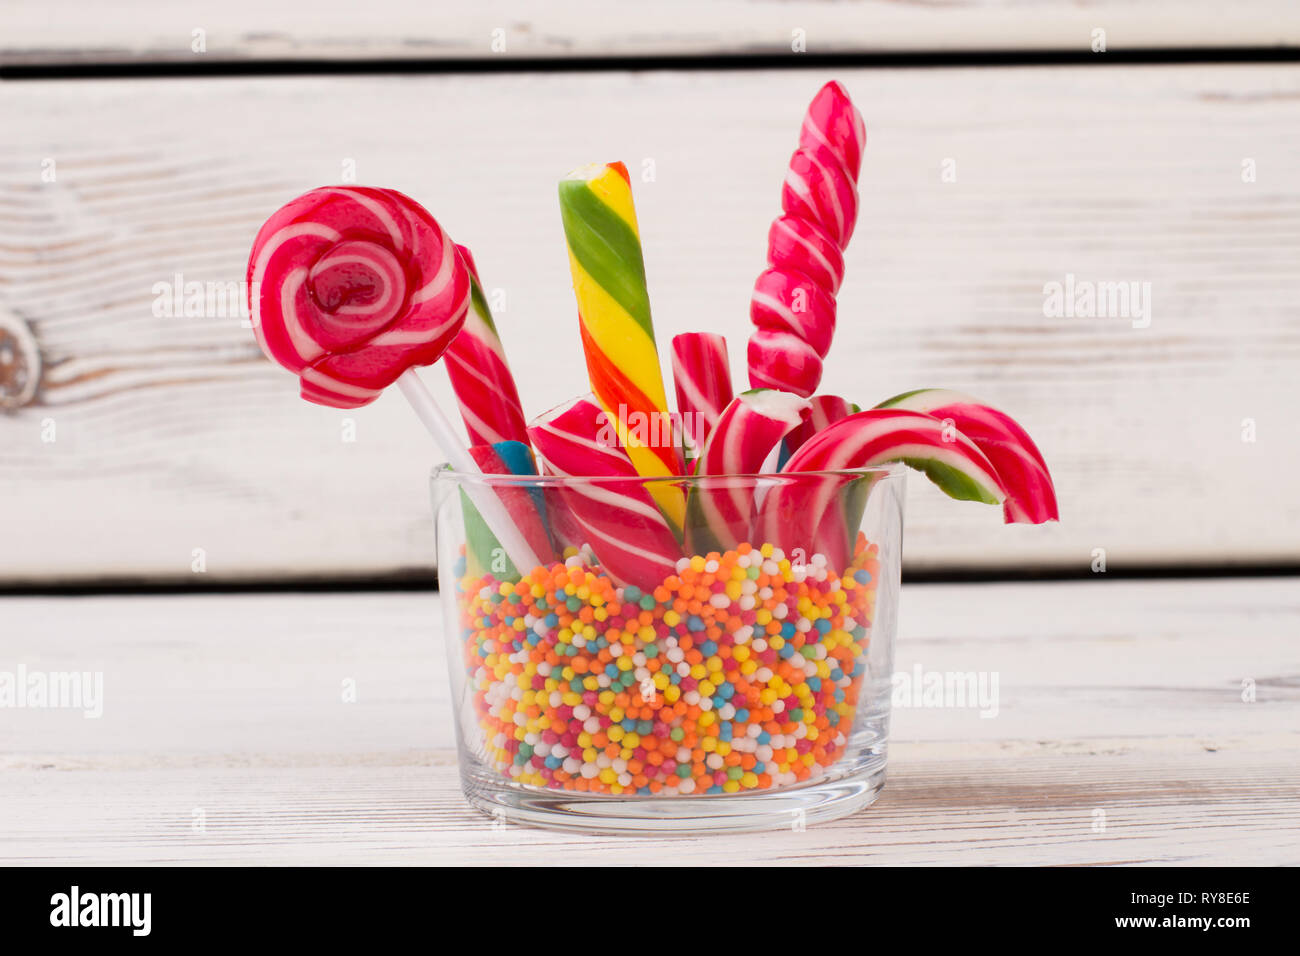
(78, 31)
(173, 434)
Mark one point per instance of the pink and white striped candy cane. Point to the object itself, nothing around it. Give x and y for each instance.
(792, 515)
(350, 286)
(702, 377)
(719, 512)
(1031, 496)
(480, 376)
(621, 522)
(793, 305)
(823, 410)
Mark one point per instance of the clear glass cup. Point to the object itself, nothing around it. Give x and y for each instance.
(747, 689)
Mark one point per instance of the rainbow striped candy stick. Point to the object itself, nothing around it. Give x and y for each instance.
(702, 378)
(480, 376)
(719, 512)
(1031, 497)
(793, 515)
(614, 317)
(618, 517)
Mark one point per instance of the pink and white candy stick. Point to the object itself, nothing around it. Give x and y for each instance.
(480, 376)
(1031, 496)
(702, 377)
(793, 305)
(719, 512)
(823, 410)
(350, 288)
(792, 514)
(622, 523)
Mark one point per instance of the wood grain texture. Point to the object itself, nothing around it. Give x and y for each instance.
(1119, 697)
(76, 31)
(174, 434)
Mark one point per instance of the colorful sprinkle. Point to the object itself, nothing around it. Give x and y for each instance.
(694, 687)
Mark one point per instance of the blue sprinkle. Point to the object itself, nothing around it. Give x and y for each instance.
(709, 648)
(764, 738)
(788, 630)
(823, 626)
(694, 623)
(551, 620)
(814, 684)
(862, 577)
(742, 716)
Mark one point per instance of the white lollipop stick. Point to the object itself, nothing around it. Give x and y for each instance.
(488, 505)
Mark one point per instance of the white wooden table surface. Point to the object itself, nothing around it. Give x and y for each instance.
(1122, 735)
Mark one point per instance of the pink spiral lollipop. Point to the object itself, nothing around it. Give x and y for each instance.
(702, 377)
(350, 286)
(480, 376)
(793, 305)
(619, 518)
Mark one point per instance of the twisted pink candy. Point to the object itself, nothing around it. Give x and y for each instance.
(793, 305)
(350, 286)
